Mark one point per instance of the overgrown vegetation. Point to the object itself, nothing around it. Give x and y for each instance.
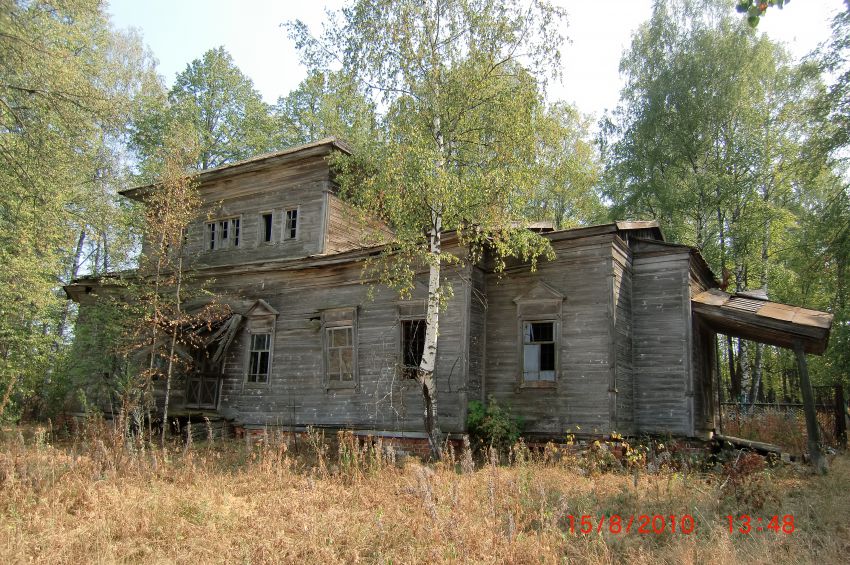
(492, 425)
(100, 495)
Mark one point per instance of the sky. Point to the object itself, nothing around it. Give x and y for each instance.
(179, 31)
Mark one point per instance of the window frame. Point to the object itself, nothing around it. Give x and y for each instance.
(213, 230)
(333, 320)
(251, 351)
(409, 371)
(540, 304)
(261, 318)
(285, 219)
(261, 231)
(538, 382)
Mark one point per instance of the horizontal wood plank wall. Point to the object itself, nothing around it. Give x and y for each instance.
(581, 272)
(296, 394)
(301, 184)
(347, 230)
(660, 343)
(623, 337)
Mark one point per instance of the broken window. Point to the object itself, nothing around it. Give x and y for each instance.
(412, 345)
(290, 229)
(538, 329)
(266, 227)
(223, 234)
(538, 351)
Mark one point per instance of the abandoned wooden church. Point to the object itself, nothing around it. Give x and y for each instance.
(617, 333)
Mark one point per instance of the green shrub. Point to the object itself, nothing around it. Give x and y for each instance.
(492, 424)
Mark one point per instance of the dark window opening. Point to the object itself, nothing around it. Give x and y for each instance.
(412, 345)
(267, 228)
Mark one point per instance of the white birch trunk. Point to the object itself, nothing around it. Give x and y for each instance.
(172, 348)
(425, 375)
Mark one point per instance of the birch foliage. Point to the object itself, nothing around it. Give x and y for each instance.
(459, 83)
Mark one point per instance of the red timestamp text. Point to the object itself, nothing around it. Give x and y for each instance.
(644, 524)
(746, 524)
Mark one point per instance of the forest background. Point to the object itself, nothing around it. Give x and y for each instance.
(734, 146)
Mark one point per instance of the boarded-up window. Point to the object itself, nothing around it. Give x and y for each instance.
(340, 345)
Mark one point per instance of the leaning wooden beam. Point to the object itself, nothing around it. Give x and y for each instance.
(817, 458)
(227, 339)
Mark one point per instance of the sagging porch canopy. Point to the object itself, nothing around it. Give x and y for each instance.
(748, 316)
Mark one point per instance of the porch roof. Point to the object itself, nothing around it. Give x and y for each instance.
(749, 317)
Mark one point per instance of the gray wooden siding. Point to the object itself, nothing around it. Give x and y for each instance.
(661, 342)
(624, 380)
(347, 230)
(247, 196)
(581, 272)
(296, 394)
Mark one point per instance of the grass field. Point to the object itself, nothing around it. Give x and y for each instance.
(96, 498)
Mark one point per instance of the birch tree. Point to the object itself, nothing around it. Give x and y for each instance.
(460, 84)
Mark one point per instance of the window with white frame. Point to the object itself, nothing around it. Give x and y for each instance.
(290, 227)
(222, 234)
(340, 347)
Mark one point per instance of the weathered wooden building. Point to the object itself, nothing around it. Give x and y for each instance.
(617, 333)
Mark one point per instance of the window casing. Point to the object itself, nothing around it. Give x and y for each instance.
(290, 224)
(222, 234)
(339, 330)
(412, 345)
(266, 230)
(260, 321)
(539, 336)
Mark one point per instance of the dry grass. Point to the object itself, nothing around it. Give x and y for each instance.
(96, 499)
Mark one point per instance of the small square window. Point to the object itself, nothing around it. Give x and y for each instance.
(290, 228)
(538, 351)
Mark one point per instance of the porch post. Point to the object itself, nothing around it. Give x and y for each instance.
(817, 458)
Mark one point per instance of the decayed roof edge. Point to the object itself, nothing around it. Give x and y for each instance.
(330, 143)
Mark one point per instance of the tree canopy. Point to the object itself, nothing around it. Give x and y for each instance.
(216, 101)
(461, 84)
